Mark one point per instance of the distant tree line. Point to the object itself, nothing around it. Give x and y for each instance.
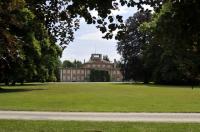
(70, 64)
(163, 46)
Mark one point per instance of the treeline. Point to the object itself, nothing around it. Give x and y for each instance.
(163, 46)
(71, 64)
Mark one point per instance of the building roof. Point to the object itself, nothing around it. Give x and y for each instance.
(97, 58)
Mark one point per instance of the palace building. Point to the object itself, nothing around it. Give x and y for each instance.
(96, 62)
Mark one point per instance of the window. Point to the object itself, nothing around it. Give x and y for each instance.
(64, 78)
(108, 66)
(113, 72)
(68, 71)
(78, 78)
(82, 78)
(96, 56)
(88, 66)
(68, 78)
(118, 72)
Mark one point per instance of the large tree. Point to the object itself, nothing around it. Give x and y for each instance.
(184, 43)
(131, 47)
(172, 53)
(175, 33)
(27, 50)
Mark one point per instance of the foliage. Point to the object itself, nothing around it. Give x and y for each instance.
(131, 47)
(27, 51)
(174, 30)
(69, 64)
(99, 76)
(62, 17)
(170, 54)
(77, 63)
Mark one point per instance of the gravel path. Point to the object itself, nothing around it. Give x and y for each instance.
(93, 116)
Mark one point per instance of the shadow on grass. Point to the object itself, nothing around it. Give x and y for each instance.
(25, 84)
(130, 83)
(32, 84)
(2, 90)
(157, 85)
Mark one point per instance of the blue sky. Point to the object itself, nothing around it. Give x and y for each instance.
(88, 40)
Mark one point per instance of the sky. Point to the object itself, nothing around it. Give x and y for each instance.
(88, 40)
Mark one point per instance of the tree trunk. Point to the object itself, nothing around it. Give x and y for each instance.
(6, 82)
(13, 83)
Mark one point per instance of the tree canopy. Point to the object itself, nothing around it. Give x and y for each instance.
(171, 53)
(69, 64)
(27, 50)
(131, 46)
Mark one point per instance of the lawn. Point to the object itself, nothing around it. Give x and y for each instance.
(64, 126)
(100, 97)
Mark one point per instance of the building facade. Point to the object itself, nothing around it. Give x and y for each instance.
(96, 62)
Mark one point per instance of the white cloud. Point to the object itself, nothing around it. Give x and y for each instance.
(122, 10)
(93, 36)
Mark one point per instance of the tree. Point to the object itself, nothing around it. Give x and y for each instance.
(61, 17)
(27, 50)
(171, 51)
(67, 64)
(131, 47)
(77, 63)
(175, 32)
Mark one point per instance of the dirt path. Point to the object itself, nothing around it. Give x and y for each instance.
(93, 116)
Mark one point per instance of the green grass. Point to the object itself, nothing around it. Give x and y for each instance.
(62, 126)
(100, 97)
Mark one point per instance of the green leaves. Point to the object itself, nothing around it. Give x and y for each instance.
(111, 19)
(119, 18)
(99, 76)
(130, 47)
(112, 27)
